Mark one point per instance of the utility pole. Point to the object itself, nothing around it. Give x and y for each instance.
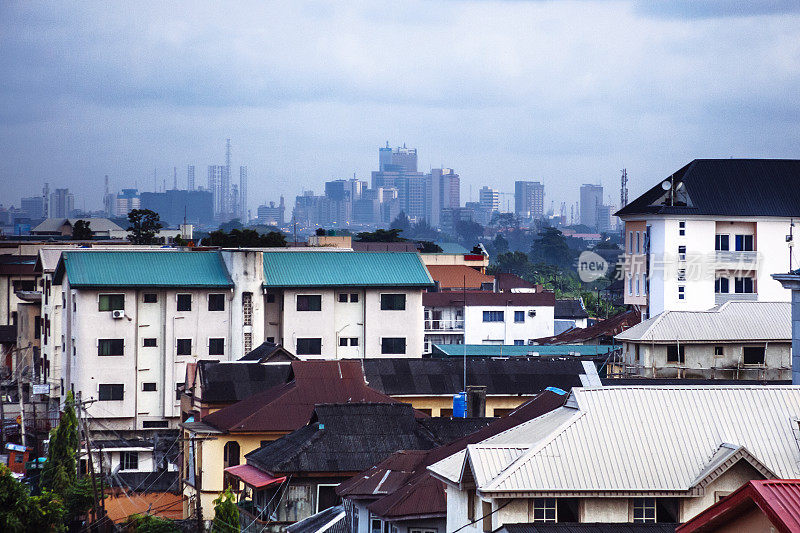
(85, 427)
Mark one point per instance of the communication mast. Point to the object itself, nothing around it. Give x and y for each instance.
(623, 189)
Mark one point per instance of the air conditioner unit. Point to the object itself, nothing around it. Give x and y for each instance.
(117, 313)
(532, 312)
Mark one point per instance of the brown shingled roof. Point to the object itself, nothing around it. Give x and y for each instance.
(454, 276)
(288, 407)
(605, 328)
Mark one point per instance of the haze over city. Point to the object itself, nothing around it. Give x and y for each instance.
(561, 92)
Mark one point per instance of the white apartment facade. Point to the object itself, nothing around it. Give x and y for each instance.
(507, 318)
(698, 239)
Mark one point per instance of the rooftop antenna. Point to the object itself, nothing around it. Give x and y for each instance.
(790, 241)
(623, 190)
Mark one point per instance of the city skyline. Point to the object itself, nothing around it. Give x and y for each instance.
(498, 91)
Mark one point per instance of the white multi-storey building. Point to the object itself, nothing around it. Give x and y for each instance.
(513, 318)
(714, 231)
(131, 320)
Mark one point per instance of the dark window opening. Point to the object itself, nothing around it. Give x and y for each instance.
(393, 345)
(753, 355)
(184, 302)
(393, 302)
(722, 243)
(150, 298)
(743, 285)
(309, 346)
(354, 297)
(216, 346)
(184, 347)
(149, 387)
(150, 342)
(110, 347)
(309, 302)
(231, 454)
(744, 243)
(154, 424)
(111, 302)
(110, 392)
(216, 302)
(342, 297)
(676, 354)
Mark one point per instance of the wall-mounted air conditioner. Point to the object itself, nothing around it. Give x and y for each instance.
(117, 313)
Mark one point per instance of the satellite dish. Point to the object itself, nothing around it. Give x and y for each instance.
(666, 185)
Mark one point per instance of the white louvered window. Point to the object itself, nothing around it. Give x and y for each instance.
(644, 510)
(247, 308)
(248, 342)
(544, 510)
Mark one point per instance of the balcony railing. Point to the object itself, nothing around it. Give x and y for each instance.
(721, 298)
(736, 260)
(444, 325)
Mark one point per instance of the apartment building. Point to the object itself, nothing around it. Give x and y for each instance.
(484, 317)
(712, 232)
(600, 458)
(130, 323)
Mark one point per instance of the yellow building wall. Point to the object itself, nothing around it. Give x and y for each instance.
(434, 405)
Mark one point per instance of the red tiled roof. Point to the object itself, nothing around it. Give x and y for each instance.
(487, 298)
(418, 493)
(778, 499)
(454, 276)
(604, 328)
(288, 407)
(252, 476)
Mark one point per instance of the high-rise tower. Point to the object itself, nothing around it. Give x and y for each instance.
(243, 194)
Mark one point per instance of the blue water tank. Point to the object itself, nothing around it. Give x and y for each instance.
(460, 405)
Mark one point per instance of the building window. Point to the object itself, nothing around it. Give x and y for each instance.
(393, 345)
(149, 387)
(150, 298)
(744, 243)
(630, 242)
(216, 302)
(519, 342)
(150, 342)
(722, 243)
(722, 285)
(179, 390)
(719, 351)
(342, 341)
(270, 297)
(681, 274)
(247, 308)
(681, 253)
(309, 346)
(519, 316)
(644, 510)
(753, 355)
(353, 341)
(111, 392)
(110, 347)
(184, 347)
(681, 292)
(676, 354)
(638, 242)
(154, 424)
(493, 316)
(129, 460)
(231, 454)
(743, 285)
(375, 524)
(309, 302)
(216, 346)
(393, 302)
(682, 228)
(111, 302)
(327, 497)
(343, 297)
(184, 302)
(544, 509)
(353, 297)
(630, 285)
(638, 285)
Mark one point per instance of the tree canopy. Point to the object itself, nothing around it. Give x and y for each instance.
(380, 235)
(81, 231)
(226, 514)
(401, 222)
(144, 225)
(245, 238)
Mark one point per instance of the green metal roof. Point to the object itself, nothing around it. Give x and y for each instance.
(344, 269)
(143, 269)
(497, 350)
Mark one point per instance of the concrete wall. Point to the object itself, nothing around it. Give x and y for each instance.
(702, 363)
(533, 327)
(732, 479)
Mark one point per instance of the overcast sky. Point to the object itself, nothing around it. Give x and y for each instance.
(562, 92)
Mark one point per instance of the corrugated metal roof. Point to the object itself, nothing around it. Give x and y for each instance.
(652, 439)
(732, 321)
(450, 276)
(143, 269)
(351, 269)
(506, 350)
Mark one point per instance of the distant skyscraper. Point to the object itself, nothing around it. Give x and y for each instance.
(529, 199)
(243, 194)
(489, 199)
(33, 207)
(62, 203)
(215, 175)
(591, 198)
(444, 187)
(270, 215)
(190, 177)
(604, 218)
(126, 201)
(400, 159)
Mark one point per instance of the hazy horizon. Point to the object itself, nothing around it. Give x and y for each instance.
(561, 92)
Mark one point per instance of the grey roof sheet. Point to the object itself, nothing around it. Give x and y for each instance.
(732, 321)
(640, 456)
(572, 308)
(232, 382)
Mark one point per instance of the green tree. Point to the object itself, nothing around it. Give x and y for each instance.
(551, 248)
(512, 263)
(226, 514)
(427, 247)
(469, 231)
(20, 512)
(245, 238)
(144, 225)
(380, 235)
(273, 239)
(320, 232)
(145, 523)
(81, 231)
(401, 222)
(499, 245)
